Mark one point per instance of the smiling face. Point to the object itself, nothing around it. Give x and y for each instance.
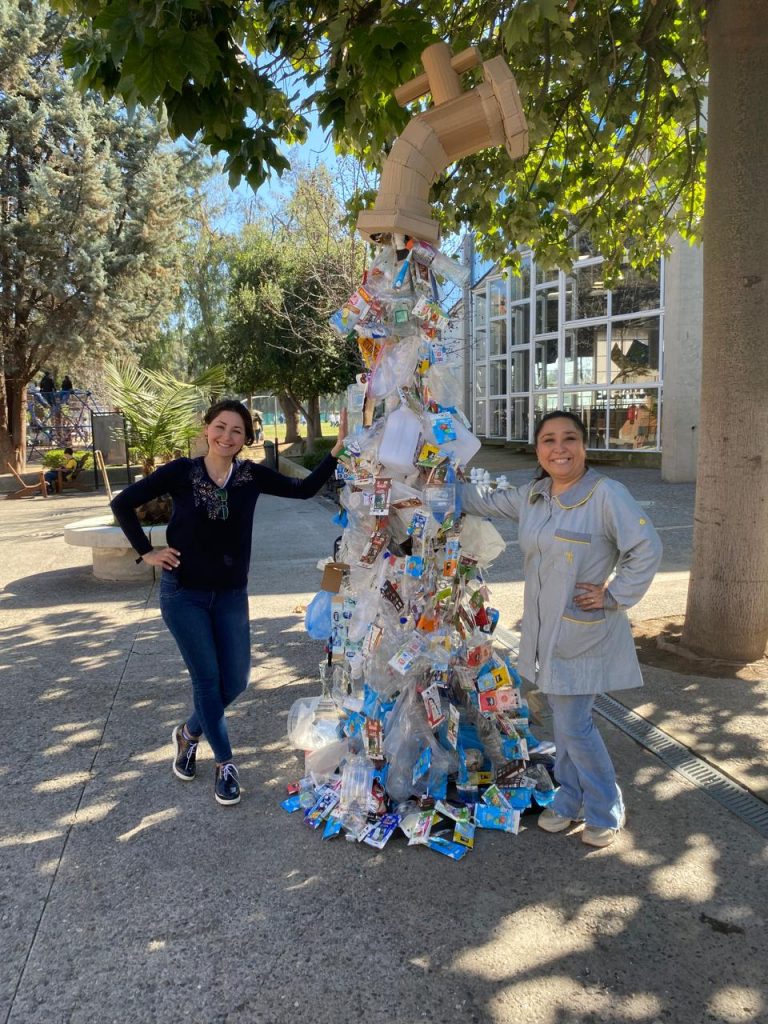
(225, 434)
(561, 452)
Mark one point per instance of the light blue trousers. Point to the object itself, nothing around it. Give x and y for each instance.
(583, 766)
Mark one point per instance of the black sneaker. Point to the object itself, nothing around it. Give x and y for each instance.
(227, 787)
(185, 752)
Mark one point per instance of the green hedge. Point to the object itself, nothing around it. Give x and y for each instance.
(55, 457)
(322, 446)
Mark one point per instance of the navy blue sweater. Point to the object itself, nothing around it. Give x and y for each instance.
(215, 552)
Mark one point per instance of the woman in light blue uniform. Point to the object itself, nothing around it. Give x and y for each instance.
(590, 553)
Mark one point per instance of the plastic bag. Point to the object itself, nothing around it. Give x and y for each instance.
(445, 386)
(309, 731)
(323, 761)
(395, 367)
(407, 735)
(317, 619)
(481, 540)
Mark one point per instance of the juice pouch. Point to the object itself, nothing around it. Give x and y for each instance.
(380, 502)
(464, 833)
(497, 819)
(448, 848)
(442, 427)
(451, 560)
(379, 833)
(431, 698)
(422, 765)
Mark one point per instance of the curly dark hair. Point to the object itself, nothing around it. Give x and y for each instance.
(232, 405)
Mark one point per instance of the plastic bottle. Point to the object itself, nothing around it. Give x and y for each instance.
(440, 264)
(356, 780)
(399, 441)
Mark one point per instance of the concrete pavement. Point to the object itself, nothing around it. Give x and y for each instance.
(127, 895)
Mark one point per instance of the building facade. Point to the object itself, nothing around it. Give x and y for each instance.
(624, 358)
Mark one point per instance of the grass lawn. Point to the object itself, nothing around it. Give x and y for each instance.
(269, 431)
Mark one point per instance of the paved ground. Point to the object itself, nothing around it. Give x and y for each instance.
(126, 895)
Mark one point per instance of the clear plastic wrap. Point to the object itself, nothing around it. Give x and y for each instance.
(309, 731)
(481, 540)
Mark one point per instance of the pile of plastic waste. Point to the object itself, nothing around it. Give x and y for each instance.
(421, 727)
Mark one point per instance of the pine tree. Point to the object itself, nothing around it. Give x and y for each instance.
(91, 212)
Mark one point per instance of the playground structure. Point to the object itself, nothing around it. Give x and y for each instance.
(64, 420)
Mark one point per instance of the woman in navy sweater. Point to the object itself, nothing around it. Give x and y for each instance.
(203, 590)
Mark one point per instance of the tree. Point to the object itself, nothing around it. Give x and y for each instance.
(615, 93)
(290, 274)
(91, 217)
(162, 412)
(190, 340)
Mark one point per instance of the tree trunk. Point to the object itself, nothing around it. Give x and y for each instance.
(727, 614)
(291, 413)
(16, 395)
(6, 441)
(314, 429)
(317, 418)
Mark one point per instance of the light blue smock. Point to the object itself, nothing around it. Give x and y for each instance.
(592, 530)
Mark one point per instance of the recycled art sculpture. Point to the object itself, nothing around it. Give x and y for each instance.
(421, 725)
(458, 124)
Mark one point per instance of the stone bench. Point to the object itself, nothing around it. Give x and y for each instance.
(113, 556)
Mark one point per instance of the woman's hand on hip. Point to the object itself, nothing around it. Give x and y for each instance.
(592, 598)
(164, 558)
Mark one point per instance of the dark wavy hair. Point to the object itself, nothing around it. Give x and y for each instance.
(232, 405)
(558, 414)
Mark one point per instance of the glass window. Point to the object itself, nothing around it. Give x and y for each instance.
(547, 303)
(518, 416)
(542, 274)
(591, 408)
(479, 426)
(586, 296)
(497, 291)
(479, 305)
(498, 337)
(480, 325)
(542, 405)
(545, 370)
(634, 418)
(635, 350)
(583, 243)
(519, 371)
(520, 322)
(481, 380)
(520, 284)
(585, 350)
(498, 376)
(498, 424)
(635, 292)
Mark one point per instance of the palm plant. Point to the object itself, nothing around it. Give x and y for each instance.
(162, 412)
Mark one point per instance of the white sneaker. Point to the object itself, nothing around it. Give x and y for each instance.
(593, 835)
(551, 821)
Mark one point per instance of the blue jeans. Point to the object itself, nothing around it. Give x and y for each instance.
(583, 766)
(211, 629)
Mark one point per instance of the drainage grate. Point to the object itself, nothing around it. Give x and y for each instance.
(735, 798)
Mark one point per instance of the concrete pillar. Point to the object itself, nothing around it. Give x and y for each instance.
(683, 304)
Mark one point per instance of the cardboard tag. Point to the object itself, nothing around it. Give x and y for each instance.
(333, 574)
